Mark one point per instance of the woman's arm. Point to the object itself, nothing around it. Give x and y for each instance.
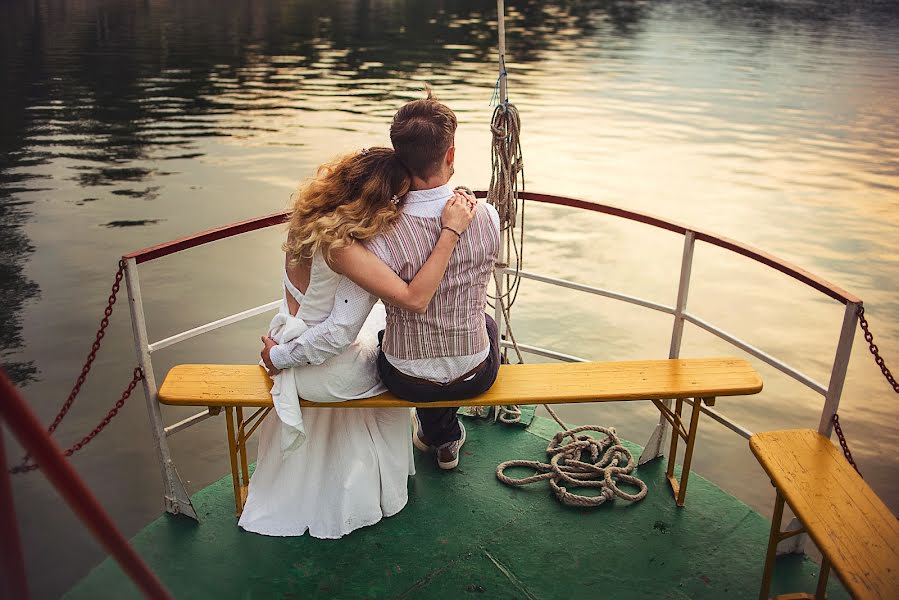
(368, 271)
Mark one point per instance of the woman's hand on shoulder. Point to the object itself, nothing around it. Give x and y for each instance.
(458, 212)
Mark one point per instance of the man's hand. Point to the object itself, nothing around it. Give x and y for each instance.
(267, 345)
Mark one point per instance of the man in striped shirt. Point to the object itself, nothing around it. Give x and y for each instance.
(450, 351)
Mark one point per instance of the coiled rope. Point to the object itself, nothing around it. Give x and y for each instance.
(507, 169)
(608, 463)
(567, 464)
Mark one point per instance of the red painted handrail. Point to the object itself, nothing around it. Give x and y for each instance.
(755, 254)
(46, 452)
(211, 235)
(13, 582)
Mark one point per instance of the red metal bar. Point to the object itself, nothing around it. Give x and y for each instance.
(787, 268)
(14, 583)
(44, 450)
(212, 235)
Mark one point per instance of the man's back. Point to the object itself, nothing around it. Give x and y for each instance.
(450, 337)
(452, 350)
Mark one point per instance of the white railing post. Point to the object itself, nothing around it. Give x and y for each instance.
(796, 544)
(840, 365)
(654, 447)
(177, 501)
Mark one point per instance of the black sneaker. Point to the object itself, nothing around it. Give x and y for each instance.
(448, 453)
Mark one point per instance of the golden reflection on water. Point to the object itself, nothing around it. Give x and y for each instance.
(771, 126)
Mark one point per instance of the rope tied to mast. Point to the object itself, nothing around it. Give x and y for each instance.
(507, 168)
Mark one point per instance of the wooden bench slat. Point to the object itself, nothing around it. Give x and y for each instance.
(553, 383)
(851, 526)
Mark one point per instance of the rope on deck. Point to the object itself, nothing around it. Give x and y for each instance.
(609, 464)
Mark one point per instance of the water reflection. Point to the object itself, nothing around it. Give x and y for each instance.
(105, 87)
(126, 124)
(15, 288)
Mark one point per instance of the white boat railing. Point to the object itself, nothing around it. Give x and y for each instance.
(176, 497)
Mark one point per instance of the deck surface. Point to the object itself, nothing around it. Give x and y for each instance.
(465, 535)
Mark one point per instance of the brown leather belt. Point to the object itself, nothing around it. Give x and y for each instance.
(458, 379)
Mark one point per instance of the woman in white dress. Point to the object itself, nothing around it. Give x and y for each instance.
(353, 466)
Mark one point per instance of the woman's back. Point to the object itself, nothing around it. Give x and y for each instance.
(352, 373)
(318, 300)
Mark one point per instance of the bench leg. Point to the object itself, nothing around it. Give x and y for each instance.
(238, 434)
(672, 449)
(242, 450)
(776, 537)
(232, 453)
(679, 488)
(773, 539)
(821, 591)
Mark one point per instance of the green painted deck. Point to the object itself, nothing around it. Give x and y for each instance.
(465, 535)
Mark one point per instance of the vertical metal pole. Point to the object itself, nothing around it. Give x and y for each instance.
(840, 365)
(14, 583)
(177, 501)
(501, 27)
(796, 544)
(653, 447)
(501, 255)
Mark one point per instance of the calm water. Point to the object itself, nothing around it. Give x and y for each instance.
(125, 124)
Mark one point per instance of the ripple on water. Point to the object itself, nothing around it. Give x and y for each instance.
(773, 122)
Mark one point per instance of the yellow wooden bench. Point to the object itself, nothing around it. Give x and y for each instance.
(857, 534)
(235, 387)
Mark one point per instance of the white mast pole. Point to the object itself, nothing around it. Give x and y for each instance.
(501, 255)
(501, 26)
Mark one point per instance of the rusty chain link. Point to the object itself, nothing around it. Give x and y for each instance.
(878, 360)
(869, 337)
(843, 444)
(26, 465)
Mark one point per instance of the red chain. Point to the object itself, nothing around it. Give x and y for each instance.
(25, 465)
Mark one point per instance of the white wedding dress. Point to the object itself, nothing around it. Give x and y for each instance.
(353, 467)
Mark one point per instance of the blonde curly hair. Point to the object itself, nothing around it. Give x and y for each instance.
(353, 197)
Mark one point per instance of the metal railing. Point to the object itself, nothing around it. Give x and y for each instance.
(176, 497)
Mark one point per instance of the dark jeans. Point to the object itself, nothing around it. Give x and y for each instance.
(440, 425)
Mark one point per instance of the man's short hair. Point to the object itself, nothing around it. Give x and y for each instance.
(422, 131)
